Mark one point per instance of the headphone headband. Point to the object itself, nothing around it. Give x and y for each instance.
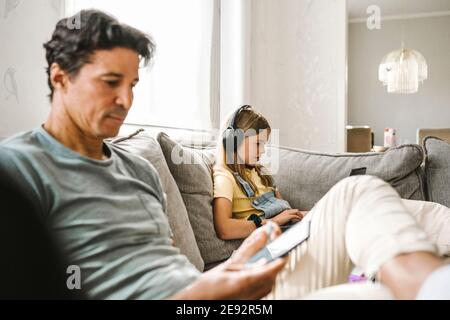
(238, 111)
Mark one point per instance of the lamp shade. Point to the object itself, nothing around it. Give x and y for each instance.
(402, 70)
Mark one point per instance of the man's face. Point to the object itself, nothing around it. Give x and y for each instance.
(98, 98)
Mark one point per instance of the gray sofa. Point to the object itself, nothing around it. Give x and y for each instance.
(303, 177)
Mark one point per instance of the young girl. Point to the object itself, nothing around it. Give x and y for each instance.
(245, 196)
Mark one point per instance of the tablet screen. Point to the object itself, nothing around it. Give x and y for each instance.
(287, 241)
(291, 238)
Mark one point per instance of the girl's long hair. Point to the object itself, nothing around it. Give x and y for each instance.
(247, 119)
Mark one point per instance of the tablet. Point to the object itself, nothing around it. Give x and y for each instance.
(287, 241)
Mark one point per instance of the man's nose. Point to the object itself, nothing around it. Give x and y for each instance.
(125, 98)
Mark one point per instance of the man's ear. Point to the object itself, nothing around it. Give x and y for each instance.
(58, 77)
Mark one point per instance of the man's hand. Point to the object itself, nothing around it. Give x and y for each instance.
(289, 215)
(253, 243)
(233, 279)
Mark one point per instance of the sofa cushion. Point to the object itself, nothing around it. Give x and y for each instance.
(437, 170)
(148, 148)
(304, 177)
(192, 170)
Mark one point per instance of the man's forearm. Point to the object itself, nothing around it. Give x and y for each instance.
(196, 291)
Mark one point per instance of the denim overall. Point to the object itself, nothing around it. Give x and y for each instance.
(267, 202)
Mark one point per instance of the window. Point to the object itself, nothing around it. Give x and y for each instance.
(179, 89)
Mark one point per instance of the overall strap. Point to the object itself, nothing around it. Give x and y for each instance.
(245, 185)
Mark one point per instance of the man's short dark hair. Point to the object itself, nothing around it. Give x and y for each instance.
(76, 38)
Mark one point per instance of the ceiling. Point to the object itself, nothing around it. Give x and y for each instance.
(357, 8)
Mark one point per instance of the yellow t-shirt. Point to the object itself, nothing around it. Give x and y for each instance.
(225, 186)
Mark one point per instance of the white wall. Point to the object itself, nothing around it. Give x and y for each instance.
(369, 102)
(298, 70)
(24, 27)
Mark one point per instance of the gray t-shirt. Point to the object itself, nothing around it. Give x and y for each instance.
(109, 216)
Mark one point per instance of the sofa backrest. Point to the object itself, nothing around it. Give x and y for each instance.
(437, 170)
(304, 177)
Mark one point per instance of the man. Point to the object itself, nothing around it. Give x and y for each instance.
(106, 206)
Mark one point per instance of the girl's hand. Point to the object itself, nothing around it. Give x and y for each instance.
(289, 215)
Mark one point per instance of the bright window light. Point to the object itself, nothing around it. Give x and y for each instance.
(175, 91)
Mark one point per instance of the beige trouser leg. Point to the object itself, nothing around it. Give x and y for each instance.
(434, 218)
(361, 221)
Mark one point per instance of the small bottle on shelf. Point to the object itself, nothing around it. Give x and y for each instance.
(389, 137)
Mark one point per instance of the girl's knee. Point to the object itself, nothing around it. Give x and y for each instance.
(361, 184)
(364, 180)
